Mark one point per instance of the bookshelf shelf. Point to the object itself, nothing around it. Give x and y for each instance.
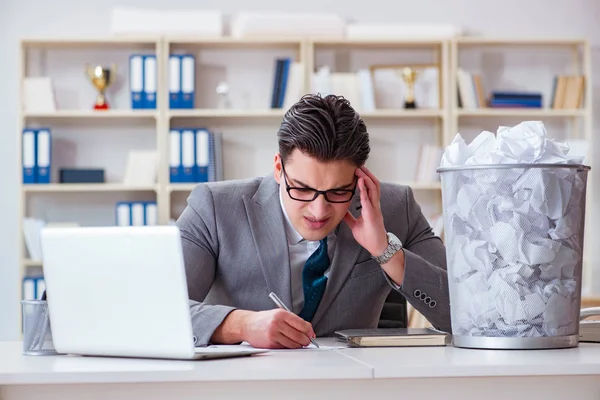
(181, 187)
(423, 185)
(27, 262)
(278, 113)
(80, 187)
(390, 113)
(519, 112)
(103, 42)
(478, 41)
(374, 43)
(226, 113)
(91, 114)
(233, 42)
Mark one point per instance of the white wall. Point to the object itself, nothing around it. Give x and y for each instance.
(24, 18)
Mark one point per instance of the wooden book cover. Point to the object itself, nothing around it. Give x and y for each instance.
(393, 337)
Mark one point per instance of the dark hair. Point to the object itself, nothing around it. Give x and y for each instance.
(326, 128)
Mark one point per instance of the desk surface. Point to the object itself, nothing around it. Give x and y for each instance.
(421, 362)
(449, 361)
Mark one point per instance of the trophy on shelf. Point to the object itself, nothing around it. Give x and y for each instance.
(101, 77)
(409, 75)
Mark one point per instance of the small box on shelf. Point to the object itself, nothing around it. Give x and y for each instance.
(81, 175)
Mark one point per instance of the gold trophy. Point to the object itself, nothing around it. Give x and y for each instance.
(101, 77)
(410, 76)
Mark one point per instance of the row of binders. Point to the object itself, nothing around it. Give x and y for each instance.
(195, 156)
(136, 213)
(143, 80)
(33, 287)
(36, 155)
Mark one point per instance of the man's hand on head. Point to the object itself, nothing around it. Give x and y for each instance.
(368, 229)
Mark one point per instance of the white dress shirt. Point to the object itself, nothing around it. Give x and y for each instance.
(300, 249)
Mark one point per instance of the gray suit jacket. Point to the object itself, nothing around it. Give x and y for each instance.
(235, 251)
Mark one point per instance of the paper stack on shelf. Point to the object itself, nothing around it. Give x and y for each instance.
(141, 168)
(401, 31)
(429, 160)
(38, 95)
(32, 229)
(297, 24)
(141, 21)
(357, 87)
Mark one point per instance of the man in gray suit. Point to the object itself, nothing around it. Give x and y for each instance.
(322, 233)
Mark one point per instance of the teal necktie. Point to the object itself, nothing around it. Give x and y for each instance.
(314, 280)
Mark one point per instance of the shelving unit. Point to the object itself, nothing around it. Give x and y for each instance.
(250, 129)
(575, 58)
(75, 123)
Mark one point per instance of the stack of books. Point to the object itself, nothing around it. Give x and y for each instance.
(502, 99)
(288, 82)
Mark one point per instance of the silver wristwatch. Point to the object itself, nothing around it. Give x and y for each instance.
(394, 244)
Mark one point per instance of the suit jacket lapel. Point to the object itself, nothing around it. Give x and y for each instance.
(344, 257)
(268, 232)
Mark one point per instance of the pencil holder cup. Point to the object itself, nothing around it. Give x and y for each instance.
(37, 334)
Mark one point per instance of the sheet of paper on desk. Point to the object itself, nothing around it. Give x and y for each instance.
(310, 347)
(514, 233)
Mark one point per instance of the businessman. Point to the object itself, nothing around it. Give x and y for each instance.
(322, 233)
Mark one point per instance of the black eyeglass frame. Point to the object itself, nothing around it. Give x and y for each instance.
(289, 188)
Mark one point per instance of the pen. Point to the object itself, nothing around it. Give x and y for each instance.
(280, 304)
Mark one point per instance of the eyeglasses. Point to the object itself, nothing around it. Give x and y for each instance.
(308, 194)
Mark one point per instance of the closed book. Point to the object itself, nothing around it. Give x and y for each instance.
(589, 331)
(393, 337)
(521, 95)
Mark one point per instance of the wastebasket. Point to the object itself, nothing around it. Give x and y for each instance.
(514, 244)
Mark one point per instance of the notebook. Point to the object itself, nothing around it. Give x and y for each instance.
(589, 331)
(393, 337)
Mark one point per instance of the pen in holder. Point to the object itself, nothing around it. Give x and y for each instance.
(37, 334)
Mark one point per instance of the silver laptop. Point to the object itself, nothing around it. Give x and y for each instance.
(122, 292)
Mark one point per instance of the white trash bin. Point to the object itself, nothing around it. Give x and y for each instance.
(514, 244)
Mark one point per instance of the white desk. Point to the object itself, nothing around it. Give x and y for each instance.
(448, 373)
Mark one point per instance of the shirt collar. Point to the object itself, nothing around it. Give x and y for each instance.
(292, 234)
